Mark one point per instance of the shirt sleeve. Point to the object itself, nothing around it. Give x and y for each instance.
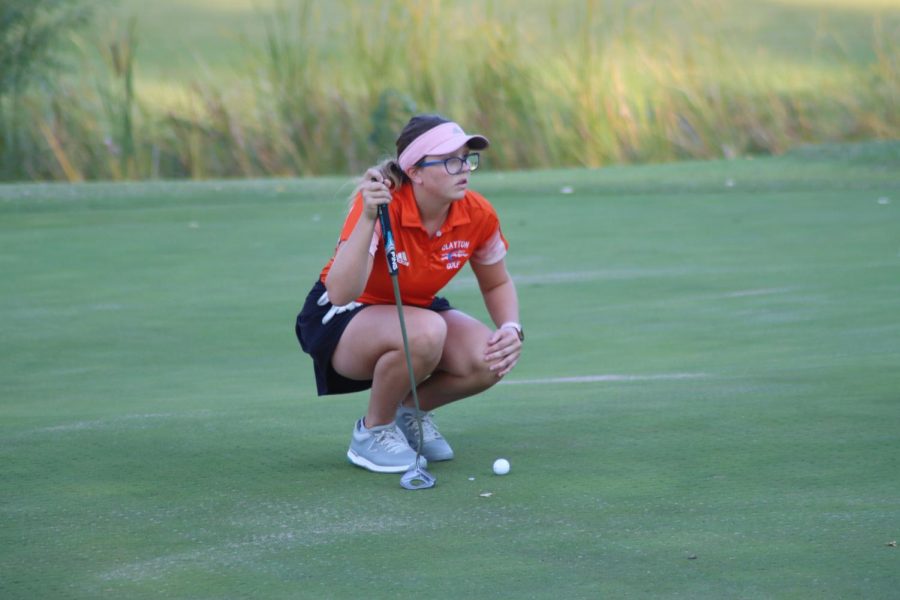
(492, 251)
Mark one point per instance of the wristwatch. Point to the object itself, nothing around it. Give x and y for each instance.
(517, 327)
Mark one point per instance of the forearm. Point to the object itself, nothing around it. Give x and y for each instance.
(352, 264)
(499, 292)
(502, 303)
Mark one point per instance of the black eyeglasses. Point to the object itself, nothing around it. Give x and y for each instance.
(454, 164)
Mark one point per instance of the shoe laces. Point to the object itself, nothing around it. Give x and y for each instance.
(391, 440)
(428, 429)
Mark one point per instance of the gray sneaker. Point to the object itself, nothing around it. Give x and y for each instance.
(435, 447)
(381, 449)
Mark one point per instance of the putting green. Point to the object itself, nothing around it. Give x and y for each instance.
(708, 405)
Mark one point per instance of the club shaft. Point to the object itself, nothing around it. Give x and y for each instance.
(412, 373)
(391, 255)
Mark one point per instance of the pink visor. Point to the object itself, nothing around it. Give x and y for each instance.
(443, 139)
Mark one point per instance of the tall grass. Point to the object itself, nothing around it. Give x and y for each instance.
(327, 95)
(32, 33)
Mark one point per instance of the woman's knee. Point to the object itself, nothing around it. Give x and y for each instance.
(470, 366)
(427, 333)
(482, 376)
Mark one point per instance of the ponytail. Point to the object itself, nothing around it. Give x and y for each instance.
(392, 173)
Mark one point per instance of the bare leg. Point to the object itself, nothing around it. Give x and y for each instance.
(371, 347)
(462, 370)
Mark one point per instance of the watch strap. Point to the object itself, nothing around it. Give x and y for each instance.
(517, 327)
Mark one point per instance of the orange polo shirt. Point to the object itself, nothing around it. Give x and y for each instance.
(426, 264)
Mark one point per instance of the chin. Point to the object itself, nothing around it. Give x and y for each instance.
(458, 194)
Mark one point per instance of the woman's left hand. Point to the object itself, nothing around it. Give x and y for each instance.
(503, 350)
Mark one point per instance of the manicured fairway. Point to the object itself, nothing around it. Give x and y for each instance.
(708, 406)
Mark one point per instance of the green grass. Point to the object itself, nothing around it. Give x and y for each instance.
(160, 436)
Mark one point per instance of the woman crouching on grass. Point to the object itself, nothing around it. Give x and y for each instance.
(349, 322)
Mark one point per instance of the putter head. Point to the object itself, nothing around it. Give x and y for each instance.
(417, 478)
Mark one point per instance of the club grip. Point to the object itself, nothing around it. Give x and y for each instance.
(390, 251)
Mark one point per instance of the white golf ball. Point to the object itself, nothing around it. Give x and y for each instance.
(501, 466)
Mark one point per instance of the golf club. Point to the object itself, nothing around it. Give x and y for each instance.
(416, 478)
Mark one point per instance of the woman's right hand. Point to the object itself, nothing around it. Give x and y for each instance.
(375, 190)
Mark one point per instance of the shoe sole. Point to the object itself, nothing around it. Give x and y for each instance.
(363, 462)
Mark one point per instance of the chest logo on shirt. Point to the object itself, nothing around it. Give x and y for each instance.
(453, 253)
(402, 258)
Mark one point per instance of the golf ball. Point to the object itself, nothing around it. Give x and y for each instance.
(501, 466)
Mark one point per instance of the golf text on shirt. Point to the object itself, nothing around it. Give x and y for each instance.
(470, 232)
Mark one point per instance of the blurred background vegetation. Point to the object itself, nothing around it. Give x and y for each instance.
(126, 89)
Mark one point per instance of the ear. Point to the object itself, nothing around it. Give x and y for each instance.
(414, 175)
